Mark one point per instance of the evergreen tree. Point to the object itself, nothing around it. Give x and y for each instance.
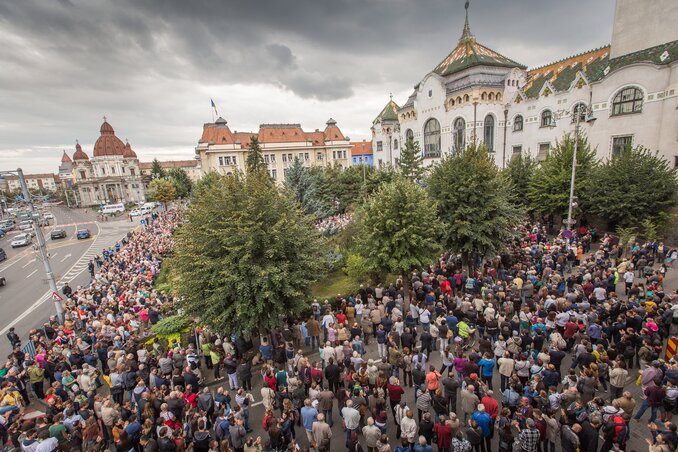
(519, 172)
(410, 160)
(255, 158)
(297, 181)
(156, 170)
(474, 204)
(399, 228)
(632, 186)
(246, 255)
(181, 182)
(549, 187)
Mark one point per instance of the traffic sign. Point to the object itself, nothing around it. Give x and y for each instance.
(572, 221)
(56, 296)
(567, 234)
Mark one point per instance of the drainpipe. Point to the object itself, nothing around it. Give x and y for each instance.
(503, 157)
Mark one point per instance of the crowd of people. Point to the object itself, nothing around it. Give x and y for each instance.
(334, 223)
(534, 349)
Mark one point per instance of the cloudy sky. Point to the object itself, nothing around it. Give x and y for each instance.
(152, 66)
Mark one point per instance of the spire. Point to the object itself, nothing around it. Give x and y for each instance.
(466, 33)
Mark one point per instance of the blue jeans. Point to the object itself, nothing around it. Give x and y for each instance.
(328, 417)
(643, 408)
(315, 342)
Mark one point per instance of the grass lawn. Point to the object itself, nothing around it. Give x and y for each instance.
(335, 283)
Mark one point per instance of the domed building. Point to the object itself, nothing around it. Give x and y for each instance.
(112, 175)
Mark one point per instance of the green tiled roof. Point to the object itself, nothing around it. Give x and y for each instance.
(662, 54)
(389, 113)
(469, 53)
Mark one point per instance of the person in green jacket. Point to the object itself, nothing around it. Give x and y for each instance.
(36, 376)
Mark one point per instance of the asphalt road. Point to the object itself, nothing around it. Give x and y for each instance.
(25, 301)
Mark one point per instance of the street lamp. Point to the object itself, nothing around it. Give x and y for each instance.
(41, 239)
(587, 113)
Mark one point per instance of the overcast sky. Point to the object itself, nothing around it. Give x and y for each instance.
(152, 66)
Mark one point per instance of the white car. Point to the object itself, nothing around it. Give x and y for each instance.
(21, 240)
(135, 212)
(25, 225)
(48, 216)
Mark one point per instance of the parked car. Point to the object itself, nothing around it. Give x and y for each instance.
(2, 233)
(57, 234)
(49, 215)
(25, 225)
(83, 234)
(2, 281)
(7, 225)
(3, 255)
(43, 222)
(21, 240)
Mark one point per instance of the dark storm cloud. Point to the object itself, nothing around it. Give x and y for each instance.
(150, 63)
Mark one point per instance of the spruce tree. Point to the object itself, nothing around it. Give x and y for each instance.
(411, 161)
(255, 158)
(156, 170)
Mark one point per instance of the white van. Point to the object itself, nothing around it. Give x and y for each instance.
(112, 208)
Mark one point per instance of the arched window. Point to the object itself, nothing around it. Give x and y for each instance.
(498, 97)
(518, 123)
(489, 133)
(579, 109)
(395, 144)
(483, 96)
(432, 138)
(458, 99)
(409, 135)
(491, 97)
(459, 135)
(627, 101)
(466, 98)
(546, 118)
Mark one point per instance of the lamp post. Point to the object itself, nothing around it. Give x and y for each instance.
(41, 240)
(588, 117)
(503, 155)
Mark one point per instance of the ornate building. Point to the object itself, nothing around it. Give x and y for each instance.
(476, 95)
(221, 150)
(111, 175)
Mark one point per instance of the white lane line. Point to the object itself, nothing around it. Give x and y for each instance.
(29, 263)
(66, 257)
(32, 273)
(16, 260)
(52, 256)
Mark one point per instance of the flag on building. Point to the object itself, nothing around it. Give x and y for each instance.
(29, 349)
(215, 107)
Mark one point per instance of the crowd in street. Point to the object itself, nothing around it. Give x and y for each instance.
(334, 223)
(534, 350)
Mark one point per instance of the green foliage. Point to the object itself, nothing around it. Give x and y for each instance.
(170, 325)
(650, 232)
(356, 268)
(162, 190)
(549, 187)
(255, 158)
(625, 234)
(633, 186)
(297, 181)
(474, 203)
(399, 228)
(246, 254)
(181, 181)
(410, 160)
(156, 170)
(519, 172)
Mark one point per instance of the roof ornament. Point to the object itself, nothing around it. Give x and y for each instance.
(104, 118)
(390, 95)
(466, 33)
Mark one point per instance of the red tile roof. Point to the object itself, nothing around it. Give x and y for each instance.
(169, 164)
(361, 148)
(219, 133)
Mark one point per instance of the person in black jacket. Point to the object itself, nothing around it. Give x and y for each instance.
(333, 375)
(588, 436)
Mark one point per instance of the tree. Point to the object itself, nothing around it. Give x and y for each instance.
(246, 255)
(549, 187)
(399, 229)
(255, 159)
(181, 181)
(632, 186)
(474, 204)
(519, 172)
(410, 160)
(650, 232)
(156, 170)
(297, 181)
(626, 235)
(162, 190)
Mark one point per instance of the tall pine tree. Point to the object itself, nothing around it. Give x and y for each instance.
(255, 158)
(410, 160)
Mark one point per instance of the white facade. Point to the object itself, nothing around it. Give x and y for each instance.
(487, 95)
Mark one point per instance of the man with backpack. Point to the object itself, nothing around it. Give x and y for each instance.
(616, 432)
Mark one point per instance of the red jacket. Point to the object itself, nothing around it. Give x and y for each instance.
(491, 407)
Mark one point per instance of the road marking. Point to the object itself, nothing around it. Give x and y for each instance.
(47, 294)
(29, 263)
(52, 256)
(16, 259)
(66, 257)
(32, 273)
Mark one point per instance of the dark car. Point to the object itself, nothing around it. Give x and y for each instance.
(58, 234)
(3, 255)
(2, 281)
(83, 234)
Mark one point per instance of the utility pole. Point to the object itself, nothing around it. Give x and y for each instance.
(41, 245)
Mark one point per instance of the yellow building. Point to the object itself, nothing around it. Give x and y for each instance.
(224, 151)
